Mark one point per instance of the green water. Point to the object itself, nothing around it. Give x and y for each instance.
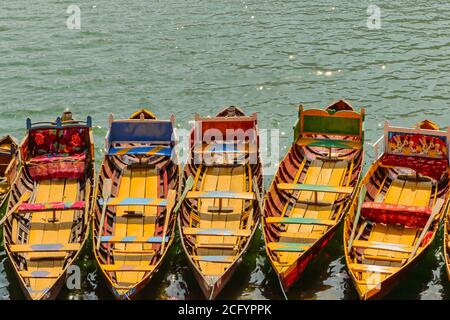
(182, 57)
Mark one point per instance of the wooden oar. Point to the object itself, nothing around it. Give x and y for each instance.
(171, 197)
(436, 209)
(362, 196)
(258, 199)
(187, 187)
(23, 198)
(106, 193)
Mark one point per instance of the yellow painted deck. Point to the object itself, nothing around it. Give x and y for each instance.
(221, 179)
(42, 231)
(135, 183)
(320, 172)
(401, 192)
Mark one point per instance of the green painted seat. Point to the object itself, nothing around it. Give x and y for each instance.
(315, 188)
(288, 246)
(329, 143)
(299, 220)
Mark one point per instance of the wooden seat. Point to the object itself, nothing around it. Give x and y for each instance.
(220, 194)
(315, 188)
(217, 232)
(288, 246)
(135, 202)
(372, 268)
(397, 247)
(125, 268)
(40, 274)
(300, 220)
(329, 143)
(304, 236)
(218, 259)
(48, 247)
(141, 150)
(132, 239)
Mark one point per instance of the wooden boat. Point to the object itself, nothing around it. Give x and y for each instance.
(313, 187)
(402, 200)
(9, 162)
(48, 210)
(221, 211)
(132, 240)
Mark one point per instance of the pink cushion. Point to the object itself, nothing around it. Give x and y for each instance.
(409, 216)
(433, 168)
(28, 207)
(57, 167)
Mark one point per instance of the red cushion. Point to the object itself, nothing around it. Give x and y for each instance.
(433, 168)
(72, 141)
(409, 216)
(44, 141)
(28, 207)
(57, 167)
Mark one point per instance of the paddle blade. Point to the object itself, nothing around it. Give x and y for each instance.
(106, 191)
(187, 187)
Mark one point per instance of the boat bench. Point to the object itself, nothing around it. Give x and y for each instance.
(155, 202)
(300, 220)
(132, 239)
(329, 143)
(372, 268)
(47, 247)
(40, 274)
(396, 247)
(51, 206)
(125, 268)
(217, 232)
(219, 259)
(316, 189)
(288, 246)
(220, 195)
(141, 151)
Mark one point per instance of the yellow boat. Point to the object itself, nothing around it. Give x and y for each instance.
(402, 200)
(47, 219)
(313, 187)
(223, 204)
(9, 162)
(134, 216)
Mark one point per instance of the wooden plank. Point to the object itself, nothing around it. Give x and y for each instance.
(135, 202)
(48, 247)
(217, 259)
(125, 268)
(300, 220)
(133, 239)
(315, 188)
(398, 247)
(217, 232)
(220, 194)
(40, 274)
(329, 143)
(372, 268)
(141, 150)
(288, 246)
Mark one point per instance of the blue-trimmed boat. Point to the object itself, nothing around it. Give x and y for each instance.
(134, 216)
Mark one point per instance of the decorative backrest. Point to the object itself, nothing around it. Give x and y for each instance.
(158, 131)
(58, 138)
(225, 129)
(423, 143)
(328, 122)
